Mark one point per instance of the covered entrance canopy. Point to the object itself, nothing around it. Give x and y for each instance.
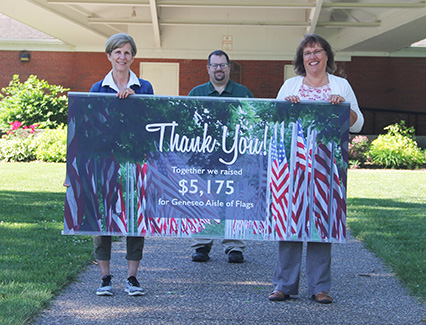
(248, 29)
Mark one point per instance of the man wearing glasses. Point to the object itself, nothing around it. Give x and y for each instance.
(218, 69)
(220, 85)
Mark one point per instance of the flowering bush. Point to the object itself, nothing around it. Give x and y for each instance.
(17, 132)
(397, 148)
(358, 151)
(18, 144)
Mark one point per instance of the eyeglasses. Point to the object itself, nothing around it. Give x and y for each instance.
(215, 65)
(315, 53)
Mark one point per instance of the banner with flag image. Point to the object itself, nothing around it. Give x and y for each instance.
(206, 167)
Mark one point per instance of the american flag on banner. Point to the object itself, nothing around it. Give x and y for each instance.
(322, 190)
(145, 225)
(300, 211)
(339, 207)
(280, 181)
(112, 192)
(141, 198)
(89, 185)
(311, 139)
(81, 199)
(329, 204)
(74, 201)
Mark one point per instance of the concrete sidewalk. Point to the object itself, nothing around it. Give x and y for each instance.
(180, 291)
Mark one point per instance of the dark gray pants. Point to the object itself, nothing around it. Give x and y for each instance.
(103, 247)
(318, 267)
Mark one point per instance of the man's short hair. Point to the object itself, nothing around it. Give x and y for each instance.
(218, 53)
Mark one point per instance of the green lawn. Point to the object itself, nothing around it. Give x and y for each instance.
(36, 261)
(386, 209)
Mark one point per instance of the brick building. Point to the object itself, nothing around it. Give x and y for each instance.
(388, 88)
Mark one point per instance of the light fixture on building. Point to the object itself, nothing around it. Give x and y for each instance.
(25, 56)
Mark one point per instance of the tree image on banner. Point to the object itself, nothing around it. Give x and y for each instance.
(206, 167)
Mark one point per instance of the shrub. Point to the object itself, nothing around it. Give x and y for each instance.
(33, 101)
(17, 150)
(397, 148)
(51, 145)
(358, 151)
(18, 144)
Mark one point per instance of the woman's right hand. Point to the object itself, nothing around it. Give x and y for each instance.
(293, 99)
(125, 93)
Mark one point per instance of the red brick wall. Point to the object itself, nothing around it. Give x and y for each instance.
(77, 71)
(378, 82)
(391, 83)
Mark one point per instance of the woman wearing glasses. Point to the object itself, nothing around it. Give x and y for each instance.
(313, 63)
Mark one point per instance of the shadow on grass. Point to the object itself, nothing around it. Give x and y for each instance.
(31, 206)
(36, 262)
(383, 203)
(387, 215)
(32, 248)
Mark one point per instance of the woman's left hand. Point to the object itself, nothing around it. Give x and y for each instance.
(336, 99)
(125, 93)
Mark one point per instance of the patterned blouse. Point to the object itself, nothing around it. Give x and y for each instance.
(314, 93)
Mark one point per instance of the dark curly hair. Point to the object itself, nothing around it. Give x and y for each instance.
(311, 40)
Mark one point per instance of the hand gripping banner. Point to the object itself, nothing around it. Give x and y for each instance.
(206, 167)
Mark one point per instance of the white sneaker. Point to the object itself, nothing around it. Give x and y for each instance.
(133, 287)
(105, 288)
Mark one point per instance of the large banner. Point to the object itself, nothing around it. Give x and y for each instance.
(206, 167)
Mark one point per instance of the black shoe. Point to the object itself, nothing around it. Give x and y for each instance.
(133, 288)
(201, 255)
(235, 257)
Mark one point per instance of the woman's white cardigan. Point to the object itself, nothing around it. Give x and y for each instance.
(338, 86)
